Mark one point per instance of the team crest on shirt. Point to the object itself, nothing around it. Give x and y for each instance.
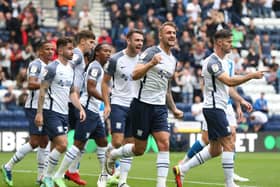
(33, 69)
(215, 68)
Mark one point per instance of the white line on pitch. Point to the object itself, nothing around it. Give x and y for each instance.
(140, 178)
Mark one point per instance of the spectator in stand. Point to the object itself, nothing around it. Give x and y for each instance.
(28, 55)
(73, 20)
(9, 99)
(16, 60)
(257, 120)
(2, 21)
(115, 14)
(86, 22)
(5, 6)
(276, 8)
(253, 58)
(5, 60)
(261, 104)
(256, 44)
(271, 76)
(65, 8)
(267, 8)
(266, 49)
(199, 53)
(196, 109)
(21, 78)
(23, 96)
(13, 26)
(193, 9)
(2, 78)
(185, 43)
(197, 83)
(250, 33)
(185, 82)
(141, 26)
(104, 37)
(180, 19)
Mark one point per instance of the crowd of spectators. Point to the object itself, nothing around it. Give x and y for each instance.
(21, 29)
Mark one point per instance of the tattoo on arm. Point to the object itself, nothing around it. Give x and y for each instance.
(169, 99)
(43, 89)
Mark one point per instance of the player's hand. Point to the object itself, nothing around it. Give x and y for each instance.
(107, 111)
(82, 115)
(39, 120)
(156, 59)
(178, 113)
(246, 105)
(259, 74)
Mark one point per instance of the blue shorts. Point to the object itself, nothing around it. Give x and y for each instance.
(55, 123)
(91, 128)
(73, 119)
(33, 129)
(217, 123)
(120, 120)
(148, 118)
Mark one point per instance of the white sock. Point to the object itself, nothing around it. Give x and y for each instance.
(196, 160)
(53, 160)
(19, 155)
(228, 166)
(74, 167)
(69, 157)
(125, 165)
(42, 154)
(162, 168)
(123, 151)
(101, 157)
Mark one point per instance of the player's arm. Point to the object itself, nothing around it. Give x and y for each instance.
(237, 80)
(74, 97)
(105, 94)
(34, 73)
(239, 100)
(43, 89)
(171, 104)
(141, 69)
(92, 91)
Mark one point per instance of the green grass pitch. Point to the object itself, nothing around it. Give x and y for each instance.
(261, 168)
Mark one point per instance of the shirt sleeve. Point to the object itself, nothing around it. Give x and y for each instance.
(34, 70)
(94, 73)
(148, 54)
(215, 67)
(49, 72)
(110, 68)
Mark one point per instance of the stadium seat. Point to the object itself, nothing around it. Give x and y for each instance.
(188, 116)
(184, 107)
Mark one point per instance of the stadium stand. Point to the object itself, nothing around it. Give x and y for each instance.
(42, 19)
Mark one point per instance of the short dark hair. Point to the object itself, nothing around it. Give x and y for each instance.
(222, 34)
(167, 23)
(85, 34)
(38, 46)
(131, 32)
(62, 42)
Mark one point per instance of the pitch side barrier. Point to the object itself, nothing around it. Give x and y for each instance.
(179, 141)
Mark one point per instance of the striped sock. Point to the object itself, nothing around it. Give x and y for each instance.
(19, 155)
(69, 157)
(162, 168)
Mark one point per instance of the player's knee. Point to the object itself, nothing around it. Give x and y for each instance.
(62, 147)
(163, 145)
(139, 149)
(102, 142)
(43, 143)
(117, 142)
